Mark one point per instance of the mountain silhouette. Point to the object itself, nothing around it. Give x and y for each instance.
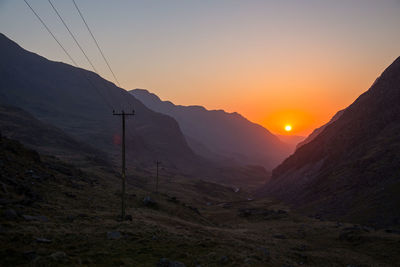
(218, 134)
(18, 124)
(292, 140)
(351, 169)
(63, 96)
(59, 94)
(318, 130)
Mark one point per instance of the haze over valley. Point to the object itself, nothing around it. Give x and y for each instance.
(231, 156)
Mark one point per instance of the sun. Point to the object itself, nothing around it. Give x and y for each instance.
(288, 128)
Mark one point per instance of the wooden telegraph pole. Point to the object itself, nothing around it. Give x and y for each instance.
(123, 204)
(158, 163)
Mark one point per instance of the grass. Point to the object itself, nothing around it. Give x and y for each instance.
(194, 222)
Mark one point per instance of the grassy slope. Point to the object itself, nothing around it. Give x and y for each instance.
(81, 207)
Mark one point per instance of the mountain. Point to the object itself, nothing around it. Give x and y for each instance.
(18, 124)
(320, 129)
(80, 103)
(292, 140)
(351, 170)
(74, 105)
(218, 134)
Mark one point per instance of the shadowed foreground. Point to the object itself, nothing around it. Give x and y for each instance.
(53, 213)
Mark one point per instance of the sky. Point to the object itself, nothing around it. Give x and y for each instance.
(274, 62)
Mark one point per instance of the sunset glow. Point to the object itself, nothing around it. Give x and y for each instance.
(270, 61)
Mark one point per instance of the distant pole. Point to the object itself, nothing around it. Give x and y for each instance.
(123, 198)
(158, 163)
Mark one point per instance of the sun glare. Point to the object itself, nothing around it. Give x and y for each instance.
(288, 128)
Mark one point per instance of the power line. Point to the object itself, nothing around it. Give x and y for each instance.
(73, 36)
(66, 52)
(49, 31)
(97, 44)
(76, 42)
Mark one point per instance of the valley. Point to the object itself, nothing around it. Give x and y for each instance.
(69, 217)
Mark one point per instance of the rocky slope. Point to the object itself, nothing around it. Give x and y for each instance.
(19, 125)
(351, 169)
(54, 214)
(317, 131)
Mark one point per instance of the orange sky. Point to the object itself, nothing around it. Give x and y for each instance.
(275, 62)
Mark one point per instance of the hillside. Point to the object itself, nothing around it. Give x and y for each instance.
(61, 95)
(61, 101)
(292, 140)
(318, 130)
(19, 125)
(218, 134)
(351, 169)
(54, 214)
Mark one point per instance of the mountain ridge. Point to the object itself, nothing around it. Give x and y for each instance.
(58, 94)
(229, 135)
(350, 170)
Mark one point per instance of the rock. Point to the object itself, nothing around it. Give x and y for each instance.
(173, 199)
(351, 234)
(4, 188)
(39, 218)
(42, 240)
(70, 195)
(223, 259)
(249, 261)
(300, 248)
(194, 209)
(164, 262)
(128, 217)
(392, 231)
(59, 256)
(245, 212)
(264, 251)
(10, 215)
(227, 205)
(267, 214)
(69, 218)
(302, 258)
(36, 177)
(280, 236)
(112, 235)
(148, 201)
(30, 254)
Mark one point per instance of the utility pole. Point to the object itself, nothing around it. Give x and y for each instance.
(123, 205)
(158, 163)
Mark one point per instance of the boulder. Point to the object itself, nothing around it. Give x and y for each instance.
(149, 202)
(39, 218)
(42, 240)
(164, 262)
(10, 215)
(112, 235)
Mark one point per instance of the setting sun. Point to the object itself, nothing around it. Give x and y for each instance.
(288, 128)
